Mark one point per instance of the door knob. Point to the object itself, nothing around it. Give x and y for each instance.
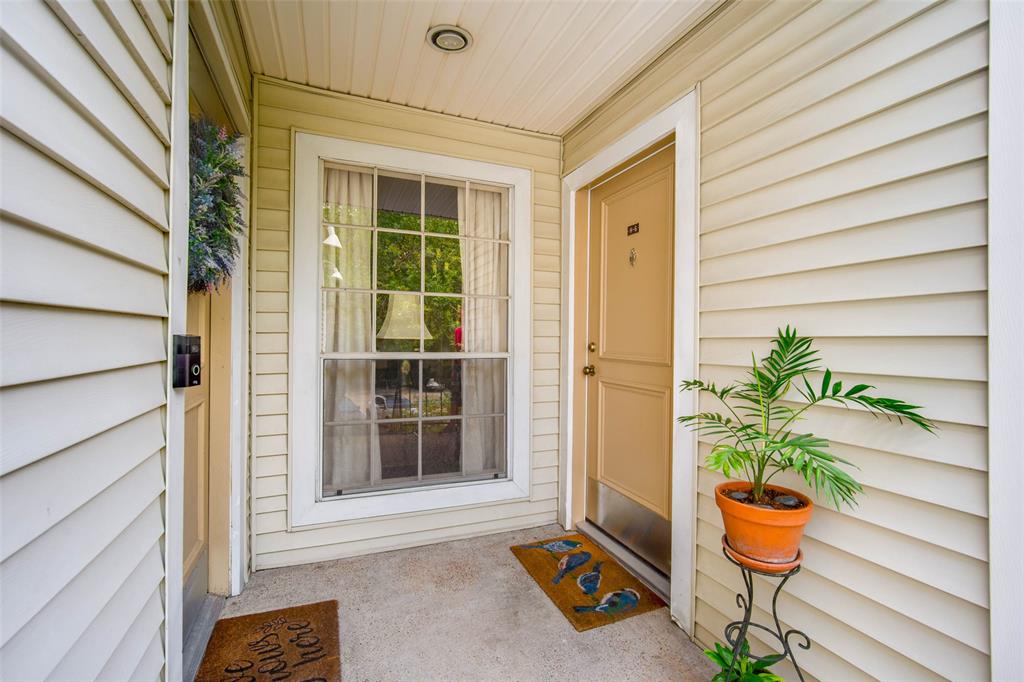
(589, 370)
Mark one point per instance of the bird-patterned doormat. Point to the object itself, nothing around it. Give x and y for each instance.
(297, 643)
(589, 587)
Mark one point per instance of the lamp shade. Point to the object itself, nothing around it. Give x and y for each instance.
(332, 238)
(402, 320)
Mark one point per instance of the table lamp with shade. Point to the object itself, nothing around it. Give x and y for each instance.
(402, 322)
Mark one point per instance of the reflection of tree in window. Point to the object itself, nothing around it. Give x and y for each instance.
(443, 265)
(443, 317)
(398, 262)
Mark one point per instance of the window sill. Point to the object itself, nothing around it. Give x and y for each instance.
(389, 503)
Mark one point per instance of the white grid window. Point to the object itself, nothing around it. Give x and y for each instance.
(385, 417)
(414, 301)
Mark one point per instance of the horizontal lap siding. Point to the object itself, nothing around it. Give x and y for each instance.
(281, 107)
(83, 315)
(843, 161)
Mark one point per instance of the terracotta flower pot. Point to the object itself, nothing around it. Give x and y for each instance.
(766, 535)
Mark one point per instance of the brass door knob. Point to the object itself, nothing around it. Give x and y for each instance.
(589, 370)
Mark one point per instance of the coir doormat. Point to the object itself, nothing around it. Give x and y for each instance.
(298, 644)
(589, 587)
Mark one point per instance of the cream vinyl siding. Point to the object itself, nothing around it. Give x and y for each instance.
(279, 107)
(83, 283)
(843, 187)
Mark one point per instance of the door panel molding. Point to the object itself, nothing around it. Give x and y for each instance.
(661, 502)
(195, 536)
(663, 355)
(197, 452)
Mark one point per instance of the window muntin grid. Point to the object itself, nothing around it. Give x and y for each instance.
(425, 241)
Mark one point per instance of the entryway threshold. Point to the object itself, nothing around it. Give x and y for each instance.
(199, 636)
(650, 576)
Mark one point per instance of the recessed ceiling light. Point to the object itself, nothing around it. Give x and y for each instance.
(448, 38)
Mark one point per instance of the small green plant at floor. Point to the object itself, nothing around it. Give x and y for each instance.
(755, 437)
(745, 668)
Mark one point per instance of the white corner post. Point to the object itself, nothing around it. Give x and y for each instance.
(174, 475)
(680, 118)
(1005, 331)
(686, 335)
(238, 516)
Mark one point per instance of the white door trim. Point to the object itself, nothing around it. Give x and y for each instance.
(216, 52)
(1005, 328)
(174, 496)
(681, 118)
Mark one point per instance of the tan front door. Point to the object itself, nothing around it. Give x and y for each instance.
(629, 394)
(197, 467)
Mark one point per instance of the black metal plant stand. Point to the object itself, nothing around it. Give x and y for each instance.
(736, 631)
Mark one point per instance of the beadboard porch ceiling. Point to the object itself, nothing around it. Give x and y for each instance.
(538, 65)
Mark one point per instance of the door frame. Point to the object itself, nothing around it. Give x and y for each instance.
(682, 118)
(177, 278)
(232, 382)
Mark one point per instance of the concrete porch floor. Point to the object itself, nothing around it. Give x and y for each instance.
(466, 610)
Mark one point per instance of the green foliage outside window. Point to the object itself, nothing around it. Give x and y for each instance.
(398, 269)
(443, 265)
(396, 220)
(398, 261)
(441, 225)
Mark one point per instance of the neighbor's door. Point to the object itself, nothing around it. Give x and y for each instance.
(629, 390)
(197, 467)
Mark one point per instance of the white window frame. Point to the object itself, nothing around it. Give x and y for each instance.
(305, 507)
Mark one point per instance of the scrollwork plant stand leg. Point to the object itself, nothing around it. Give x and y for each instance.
(736, 631)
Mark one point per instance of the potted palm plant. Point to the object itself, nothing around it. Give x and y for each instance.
(755, 437)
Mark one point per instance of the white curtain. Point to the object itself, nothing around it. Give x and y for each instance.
(485, 327)
(348, 196)
(346, 324)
